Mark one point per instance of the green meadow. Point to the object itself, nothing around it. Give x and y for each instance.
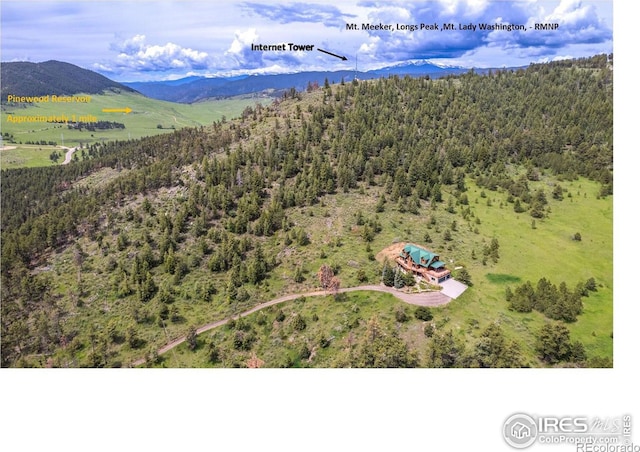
(148, 117)
(547, 251)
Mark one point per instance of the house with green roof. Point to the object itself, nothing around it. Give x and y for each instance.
(424, 263)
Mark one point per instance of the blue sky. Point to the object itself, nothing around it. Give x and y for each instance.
(153, 40)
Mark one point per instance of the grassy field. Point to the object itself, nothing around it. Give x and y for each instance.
(146, 115)
(549, 251)
(28, 155)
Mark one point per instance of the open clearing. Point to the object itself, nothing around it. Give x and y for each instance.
(391, 252)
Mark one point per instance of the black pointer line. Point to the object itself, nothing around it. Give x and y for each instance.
(343, 58)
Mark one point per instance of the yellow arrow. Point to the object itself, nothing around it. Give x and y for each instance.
(117, 110)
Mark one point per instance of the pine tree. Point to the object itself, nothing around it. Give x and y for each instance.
(444, 350)
(436, 193)
(523, 298)
(508, 294)
(257, 268)
(591, 285)
(554, 343)
(147, 288)
(192, 338)
(409, 279)
(464, 277)
(170, 261)
(557, 192)
(398, 280)
(388, 276)
(494, 350)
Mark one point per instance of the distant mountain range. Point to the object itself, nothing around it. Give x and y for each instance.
(53, 78)
(193, 89)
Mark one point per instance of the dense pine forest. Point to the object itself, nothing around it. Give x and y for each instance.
(107, 259)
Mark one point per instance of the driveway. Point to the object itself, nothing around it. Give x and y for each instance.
(452, 288)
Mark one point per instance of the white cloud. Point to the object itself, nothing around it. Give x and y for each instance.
(579, 23)
(135, 54)
(239, 52)
(242, 40)
(575, 14)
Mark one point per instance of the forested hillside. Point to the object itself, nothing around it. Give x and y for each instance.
(105, 260)
(53, 78)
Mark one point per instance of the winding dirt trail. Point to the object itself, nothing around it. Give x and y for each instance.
(178, 122)
(68, 155)
(420, 299)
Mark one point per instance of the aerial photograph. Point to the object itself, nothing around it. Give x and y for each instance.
(400, 211)
(422, 184)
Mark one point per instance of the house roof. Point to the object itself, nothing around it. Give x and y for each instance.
(423, 257)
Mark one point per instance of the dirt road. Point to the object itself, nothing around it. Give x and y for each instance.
(68, 155)
(421, 299)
